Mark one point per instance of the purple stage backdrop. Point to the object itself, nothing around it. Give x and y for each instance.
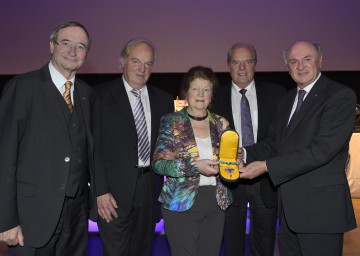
(186, 33)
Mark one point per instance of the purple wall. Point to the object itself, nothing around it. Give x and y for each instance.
(186, 32)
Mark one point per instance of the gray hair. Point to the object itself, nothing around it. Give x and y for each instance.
(242, 45)
(136, 41)
(66, 24)
(287, 50)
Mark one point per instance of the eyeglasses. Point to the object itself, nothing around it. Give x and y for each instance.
(66, 45)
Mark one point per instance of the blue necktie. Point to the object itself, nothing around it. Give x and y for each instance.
(247, 134)
(141, 128)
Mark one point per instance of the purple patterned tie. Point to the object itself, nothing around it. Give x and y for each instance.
(140, 123)
(247, 134)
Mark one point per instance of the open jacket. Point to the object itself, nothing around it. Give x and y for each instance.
(182, 175)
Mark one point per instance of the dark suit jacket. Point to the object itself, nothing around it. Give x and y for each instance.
(309, 165)
(116, 154)
(267, 97)
(34, 145)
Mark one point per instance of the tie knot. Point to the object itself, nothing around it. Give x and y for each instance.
(136, 93)
(68, 85)
(301, 94)
(243, 91)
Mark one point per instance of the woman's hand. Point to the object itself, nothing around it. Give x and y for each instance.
(207, 167)
(240, 158)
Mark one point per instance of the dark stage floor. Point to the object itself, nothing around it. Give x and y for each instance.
(161, 247)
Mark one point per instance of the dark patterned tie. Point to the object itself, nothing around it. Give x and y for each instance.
(301, 94)
(246, 124)
(67, 95)
(140, 123)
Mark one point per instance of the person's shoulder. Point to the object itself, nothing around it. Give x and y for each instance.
(334, 87)
(223, 89)
(159, 91)
(107, 85)
(270, 86)
(218, 118)
(173, 116)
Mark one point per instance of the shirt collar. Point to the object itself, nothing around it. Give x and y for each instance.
(250, 87)
(310, 86)
(57, 78)
(128, 88)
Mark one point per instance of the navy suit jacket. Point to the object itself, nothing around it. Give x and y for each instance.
(310, 157)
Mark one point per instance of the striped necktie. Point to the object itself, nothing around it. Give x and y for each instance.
(67, 95)
(141, 128)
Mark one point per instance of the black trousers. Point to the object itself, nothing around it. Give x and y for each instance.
(70, 236)
(197, 231)
(133, 235)
(262, 223)
(306, 244)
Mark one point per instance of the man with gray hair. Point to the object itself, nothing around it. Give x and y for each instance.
(305, 156)
(126, 122)
(249, 105)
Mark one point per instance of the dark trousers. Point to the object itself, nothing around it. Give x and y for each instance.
(197, 231)
(262, 223)
(70, 236)
(132, 235)
(306, 244)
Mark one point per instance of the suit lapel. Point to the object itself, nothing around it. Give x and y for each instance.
(120, 95)
(51, 95)
(261, 97)
(310, 101)
(155, 108)
(84, 107)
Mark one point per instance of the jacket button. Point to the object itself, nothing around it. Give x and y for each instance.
(67, 159)
(62, 186)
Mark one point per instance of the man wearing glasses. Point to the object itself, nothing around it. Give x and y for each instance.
(46, 152)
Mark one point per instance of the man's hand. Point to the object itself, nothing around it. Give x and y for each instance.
(106, 207)
(13, 237)
(253, 170)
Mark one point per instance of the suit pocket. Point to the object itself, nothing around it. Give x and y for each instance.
(328, 180)
(26, 189)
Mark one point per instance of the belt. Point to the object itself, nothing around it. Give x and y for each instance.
(143, 170)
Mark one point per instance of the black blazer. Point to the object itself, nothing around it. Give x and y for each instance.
(34, 146)
(116, 155)
(267, 97)
(309, 166)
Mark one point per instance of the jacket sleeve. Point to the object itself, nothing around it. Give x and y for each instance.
(182, 164)
(13, 116)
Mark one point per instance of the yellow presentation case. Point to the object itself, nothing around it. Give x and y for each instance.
(228, 151)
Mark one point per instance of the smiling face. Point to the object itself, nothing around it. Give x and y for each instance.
(242, 66)
(304, 63)
(138, 65)
(67, 60)
(199, 95)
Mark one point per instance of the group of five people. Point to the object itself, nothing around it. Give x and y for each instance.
(69, 152)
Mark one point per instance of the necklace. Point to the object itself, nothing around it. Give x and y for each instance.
(196, 118)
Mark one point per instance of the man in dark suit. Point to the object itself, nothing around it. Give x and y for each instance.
(46, 152)
(309, 137)
(127, 190)
(259, 193)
